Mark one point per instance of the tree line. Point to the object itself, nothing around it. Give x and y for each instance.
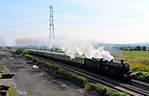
(137, 48)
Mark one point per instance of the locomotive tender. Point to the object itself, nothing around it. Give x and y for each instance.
(120, 70)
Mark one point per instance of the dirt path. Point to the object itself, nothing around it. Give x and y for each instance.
(34, 82)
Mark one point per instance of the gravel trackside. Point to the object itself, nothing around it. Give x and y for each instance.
(35, 82)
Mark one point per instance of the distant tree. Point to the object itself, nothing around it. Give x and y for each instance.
(144, 48)
(123, 48)
(138, 48)
(132, 49)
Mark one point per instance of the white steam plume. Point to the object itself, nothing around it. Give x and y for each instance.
(82, 48)
(71, 47)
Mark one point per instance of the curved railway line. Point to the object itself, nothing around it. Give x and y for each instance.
(135, 88)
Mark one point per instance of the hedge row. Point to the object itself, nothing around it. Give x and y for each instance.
(20, 51)
(103, 91)
(59, 72)
(142, 76)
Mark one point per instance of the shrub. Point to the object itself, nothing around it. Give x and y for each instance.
(90, 86)
(29, 56)
(142, 76)
(34, 59)
(19, 51)
(139, 67)
(11, 92)
(102, 90)
(79, 80)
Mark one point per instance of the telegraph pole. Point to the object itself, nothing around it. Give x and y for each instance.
(51, 23)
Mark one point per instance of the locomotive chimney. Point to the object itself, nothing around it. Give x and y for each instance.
(122, 61)
(112, 60)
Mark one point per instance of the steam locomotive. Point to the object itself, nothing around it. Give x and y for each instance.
(119, 70)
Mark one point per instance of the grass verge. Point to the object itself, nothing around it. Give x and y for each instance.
(142, 76)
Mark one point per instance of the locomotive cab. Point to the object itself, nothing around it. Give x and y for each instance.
(126, 71)
(125, 66)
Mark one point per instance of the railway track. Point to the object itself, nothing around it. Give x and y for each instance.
(140, 84)
(135, 88)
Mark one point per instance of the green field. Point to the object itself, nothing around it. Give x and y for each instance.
(138, 60)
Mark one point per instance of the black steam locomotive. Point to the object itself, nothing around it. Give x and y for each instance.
(120, 70)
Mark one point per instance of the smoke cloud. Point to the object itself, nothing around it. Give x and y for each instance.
(116, 52)
(81, 48)
(72, 47)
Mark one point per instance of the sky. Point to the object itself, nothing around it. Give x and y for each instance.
(107, 21)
